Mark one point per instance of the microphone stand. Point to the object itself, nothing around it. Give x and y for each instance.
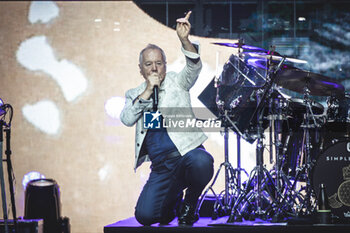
(8, 153)
(2, 181)
(10, 173)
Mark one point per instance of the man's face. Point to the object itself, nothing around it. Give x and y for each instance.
(152, 62)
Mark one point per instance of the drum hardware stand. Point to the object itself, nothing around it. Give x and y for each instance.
(276, 121)
(282, 183)
(309, 162)
(290, 193)
(256, 179)
(228, 194)
(232, 176)
(9, 170)
(307, 167)
(259, 172)
(284, 194)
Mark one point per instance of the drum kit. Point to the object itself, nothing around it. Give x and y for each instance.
(309, 144)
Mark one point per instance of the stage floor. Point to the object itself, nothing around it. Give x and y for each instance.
(207, 225)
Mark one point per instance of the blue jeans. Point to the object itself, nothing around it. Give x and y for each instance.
(164, 187)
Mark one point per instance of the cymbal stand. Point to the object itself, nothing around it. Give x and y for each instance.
(282, 184)
(254, 197)
(4, 126)
(260, 169)
(276, 122)
(2, 180)
(307, 206)
(224, 200)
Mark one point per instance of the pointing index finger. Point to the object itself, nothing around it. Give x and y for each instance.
(188, 15)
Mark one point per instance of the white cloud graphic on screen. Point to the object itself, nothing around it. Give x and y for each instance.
(44, 115)
(104, 172)
(42, 11)
(37, 55)
(114, 106)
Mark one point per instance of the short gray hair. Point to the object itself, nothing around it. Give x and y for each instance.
(151, 46)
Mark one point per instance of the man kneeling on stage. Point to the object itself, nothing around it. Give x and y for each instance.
(179, 161)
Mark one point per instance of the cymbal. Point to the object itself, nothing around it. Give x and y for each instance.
(259, 62)
(278, 58)
(295, 80)
(243, 46)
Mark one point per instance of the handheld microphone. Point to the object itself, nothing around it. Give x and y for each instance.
(155, 97)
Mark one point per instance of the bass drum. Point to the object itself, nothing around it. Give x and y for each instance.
(333, 169)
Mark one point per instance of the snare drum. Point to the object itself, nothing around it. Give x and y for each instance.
(333, 169)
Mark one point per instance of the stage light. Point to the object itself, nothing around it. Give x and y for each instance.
(42, 201)
(33, 175)
(2, 112)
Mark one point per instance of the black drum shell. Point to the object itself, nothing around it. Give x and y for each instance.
(328, 170)
(338, 109)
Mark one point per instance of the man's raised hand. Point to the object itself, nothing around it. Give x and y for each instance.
(183, 27)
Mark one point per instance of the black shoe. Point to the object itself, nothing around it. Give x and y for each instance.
(187, 215)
